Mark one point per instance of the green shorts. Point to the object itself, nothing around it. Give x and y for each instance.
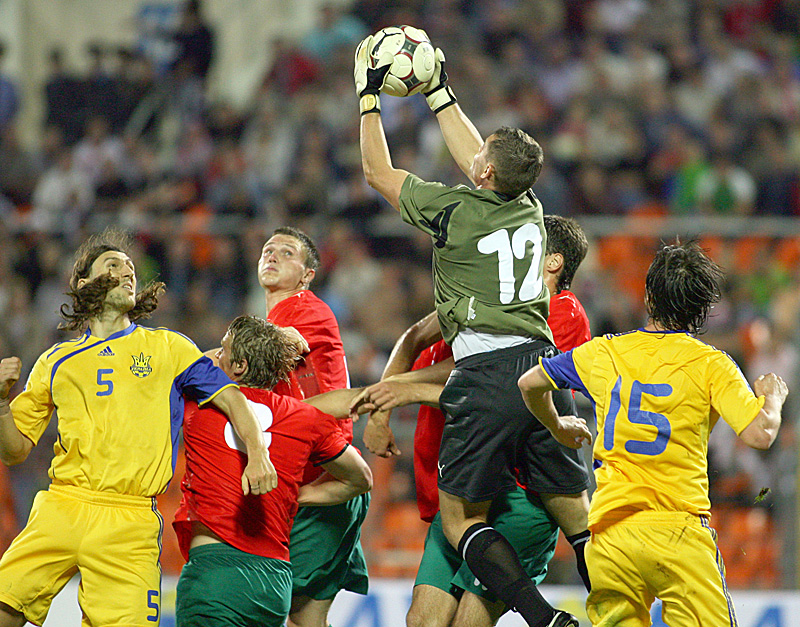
(221, 586)
(520, 517)
(325, 549)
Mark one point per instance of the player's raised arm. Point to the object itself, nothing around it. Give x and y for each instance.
(348, 476)
(411, 343)
(14, 447)
(761, 433)
(375, 158)
(259, 475)
(462, 138)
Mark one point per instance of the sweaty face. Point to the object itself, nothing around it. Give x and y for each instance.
(282, 264)
(118, 265)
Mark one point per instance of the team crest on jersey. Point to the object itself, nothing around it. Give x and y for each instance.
(141, 365)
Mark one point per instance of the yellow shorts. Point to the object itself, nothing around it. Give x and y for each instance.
(113, 541)
(665, 555)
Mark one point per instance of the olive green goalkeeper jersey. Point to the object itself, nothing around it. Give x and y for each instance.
(488, 257)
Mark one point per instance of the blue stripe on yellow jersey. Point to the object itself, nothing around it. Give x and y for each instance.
(119, 402)
(656, 398)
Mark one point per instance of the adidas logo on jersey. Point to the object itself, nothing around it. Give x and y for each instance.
(106, 352)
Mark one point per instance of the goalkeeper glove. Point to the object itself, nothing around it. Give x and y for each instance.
(438, 93)
(370, 80)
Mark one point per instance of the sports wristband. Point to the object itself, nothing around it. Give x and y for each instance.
(441, 98)
(369, 103)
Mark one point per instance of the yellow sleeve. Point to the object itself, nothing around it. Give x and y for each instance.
(33, 408)
(184, 352)
(731, 395)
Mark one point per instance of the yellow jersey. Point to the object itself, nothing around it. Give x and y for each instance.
(656, 397)
(119, 403)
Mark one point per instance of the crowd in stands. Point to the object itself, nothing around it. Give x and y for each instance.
(660, 108)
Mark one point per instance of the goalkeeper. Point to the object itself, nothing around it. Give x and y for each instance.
(492, 307)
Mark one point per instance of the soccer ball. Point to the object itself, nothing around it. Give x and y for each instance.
(414, 59)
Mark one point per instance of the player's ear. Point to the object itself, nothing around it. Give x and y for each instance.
(554, 262)
(239, 369)
(308, 276)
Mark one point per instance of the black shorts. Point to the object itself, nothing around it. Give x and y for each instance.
(487, 424)
(547, 467)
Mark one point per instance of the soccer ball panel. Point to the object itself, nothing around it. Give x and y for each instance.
(414, 59)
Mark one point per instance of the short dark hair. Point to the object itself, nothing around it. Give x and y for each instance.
(312, 261)
(517, 158)
(88, 301)
(268, 351)
(681, 286)
(565, 236)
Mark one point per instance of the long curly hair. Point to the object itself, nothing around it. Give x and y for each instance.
(89, 301)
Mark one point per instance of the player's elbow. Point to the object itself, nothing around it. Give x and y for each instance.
(533, 381)
(363, 483)
(761, 433)
(372, 174)
(16, 455)
(760, 439)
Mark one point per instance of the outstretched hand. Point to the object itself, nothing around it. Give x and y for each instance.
(370, 80)
(384, 396)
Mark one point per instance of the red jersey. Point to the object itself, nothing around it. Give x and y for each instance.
(296, 434)
(324, 368)
(427, 437)
(568, 321)
(570, 327)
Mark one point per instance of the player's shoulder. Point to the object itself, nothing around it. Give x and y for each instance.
(281, 404)
(310, 303)
(706, 350)
(66, 347)
(163, 334)
(566, 300)
(414, 183)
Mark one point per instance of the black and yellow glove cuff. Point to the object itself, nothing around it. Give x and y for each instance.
(369, 103)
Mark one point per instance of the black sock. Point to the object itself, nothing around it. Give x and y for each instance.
(578, 542)
(494, 562)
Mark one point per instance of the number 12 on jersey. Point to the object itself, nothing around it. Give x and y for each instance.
(515, 247)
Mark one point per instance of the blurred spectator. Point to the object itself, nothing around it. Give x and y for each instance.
(62, 196)
(97, 150)
(9, 95)
(65, 99)
(725, 188)
(102, 89)
(335, 28)
(18, 170)
(292, 69)
(194, 40)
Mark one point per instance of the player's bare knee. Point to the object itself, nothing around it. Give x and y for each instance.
(570, 511)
